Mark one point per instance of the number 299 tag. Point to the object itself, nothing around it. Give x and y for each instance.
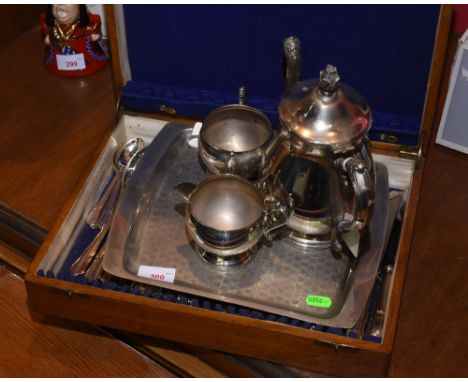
(71, 61)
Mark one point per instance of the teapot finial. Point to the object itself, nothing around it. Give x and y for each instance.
(329, 78)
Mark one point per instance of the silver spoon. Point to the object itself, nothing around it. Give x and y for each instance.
(95, 270)
(122, 158)
(101, 215)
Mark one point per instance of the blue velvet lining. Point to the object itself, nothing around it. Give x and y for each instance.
(149, 97)
(168, 295)
(193, 58)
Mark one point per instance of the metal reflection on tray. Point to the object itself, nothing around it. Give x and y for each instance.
(313, 182)
(149, 230)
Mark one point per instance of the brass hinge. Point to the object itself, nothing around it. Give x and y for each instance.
(68, 292)
(412, 152)
(167, 109)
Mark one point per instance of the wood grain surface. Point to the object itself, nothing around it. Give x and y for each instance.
(14, 258)
(432, 330)
(15, 19)
(29, 349)
(170, 355)
(50, 126)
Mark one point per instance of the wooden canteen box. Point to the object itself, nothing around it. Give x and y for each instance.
(182, 62)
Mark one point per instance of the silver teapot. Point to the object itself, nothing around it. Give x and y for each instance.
(329, 171)
(311, 180)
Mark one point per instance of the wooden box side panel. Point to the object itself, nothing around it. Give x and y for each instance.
(432, 97)
(323, 352)
(261, 339)
(218, 331)
(402, 259)
(435, 76)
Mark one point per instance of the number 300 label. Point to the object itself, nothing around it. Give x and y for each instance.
(166, 275)
(71, 62)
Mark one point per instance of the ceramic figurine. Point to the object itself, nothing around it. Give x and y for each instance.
(72, 38)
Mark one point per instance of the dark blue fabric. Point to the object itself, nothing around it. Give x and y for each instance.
(205, 52)
(147, 96)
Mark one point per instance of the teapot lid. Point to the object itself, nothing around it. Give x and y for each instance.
(325, 112)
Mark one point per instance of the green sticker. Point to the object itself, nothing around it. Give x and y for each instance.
(318, 301)
(316, 224)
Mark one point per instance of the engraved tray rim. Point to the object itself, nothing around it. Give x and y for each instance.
(127, 210)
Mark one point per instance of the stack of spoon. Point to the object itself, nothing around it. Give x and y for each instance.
(125, 159)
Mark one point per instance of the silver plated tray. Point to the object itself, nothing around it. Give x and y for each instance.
(148, 230)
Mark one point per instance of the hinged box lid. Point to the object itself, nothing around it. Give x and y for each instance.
(189, 59)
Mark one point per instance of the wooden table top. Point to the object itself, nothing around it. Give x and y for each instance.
(50, 127)
(63, 349)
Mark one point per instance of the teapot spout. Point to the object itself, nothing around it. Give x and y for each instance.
(292, 54)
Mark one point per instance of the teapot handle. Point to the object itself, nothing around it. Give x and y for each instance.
(359, 176)
(278, 206)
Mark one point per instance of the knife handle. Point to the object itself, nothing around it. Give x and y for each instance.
(96, 213)
(95, 269)
(81, 264)
(378, 318)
